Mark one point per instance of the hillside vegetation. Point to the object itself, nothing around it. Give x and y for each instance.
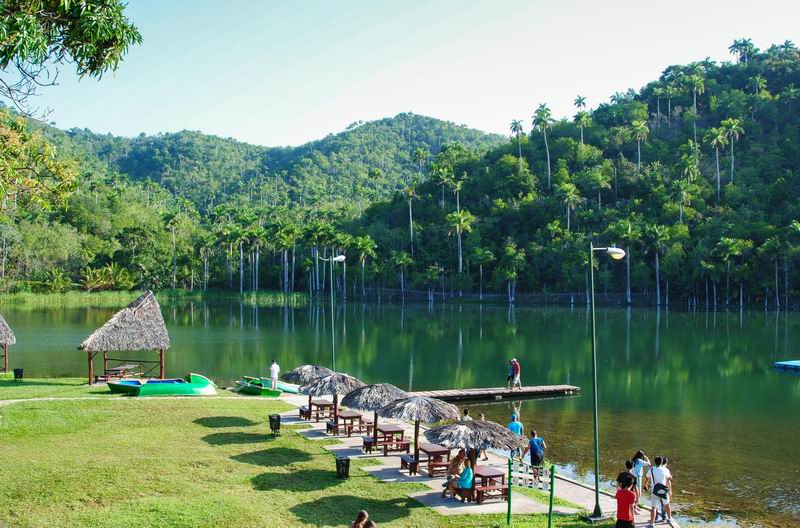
(694, 174)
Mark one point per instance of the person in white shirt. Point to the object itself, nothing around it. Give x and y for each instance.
(274, 370)
(660, 477)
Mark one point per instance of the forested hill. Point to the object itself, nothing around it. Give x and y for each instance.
(365, 162)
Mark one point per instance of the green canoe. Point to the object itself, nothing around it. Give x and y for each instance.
(282, 385)
(256, 387)
(191, 385)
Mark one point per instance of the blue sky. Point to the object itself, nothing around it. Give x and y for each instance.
(282, 73)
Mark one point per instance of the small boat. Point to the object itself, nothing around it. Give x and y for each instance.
(281, 385)
(788, 365)
(191, 385)
(256, 387)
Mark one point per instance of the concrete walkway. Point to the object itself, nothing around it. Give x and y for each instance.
(387, 469)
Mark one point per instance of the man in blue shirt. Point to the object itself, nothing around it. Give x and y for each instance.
(516, 428)
(536, 446)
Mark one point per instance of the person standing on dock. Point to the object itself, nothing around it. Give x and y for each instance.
(511, 370)
(274, 370)
(517, 375)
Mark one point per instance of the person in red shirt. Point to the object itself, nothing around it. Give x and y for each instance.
(626, 499)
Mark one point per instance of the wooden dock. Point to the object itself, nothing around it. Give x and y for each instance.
(500, 393)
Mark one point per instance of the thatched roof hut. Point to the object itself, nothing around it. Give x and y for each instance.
(7, 338)
(372, 398)
(474, 434)
(139, 326)
(336, 384)
(306, 374)
(420, 409)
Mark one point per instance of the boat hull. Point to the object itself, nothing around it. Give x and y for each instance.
(192, 385)
(255, 388)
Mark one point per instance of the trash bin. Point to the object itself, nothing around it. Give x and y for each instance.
(275, 423)
(342, 467)
(17, 374)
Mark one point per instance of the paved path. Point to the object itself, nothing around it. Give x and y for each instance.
(388, 469)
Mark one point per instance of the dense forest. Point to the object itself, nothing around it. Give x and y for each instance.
(695, 175)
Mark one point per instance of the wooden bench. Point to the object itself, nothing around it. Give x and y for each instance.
(395, 446)
(437, 468)
(305, 413)
(363, 427)
(491, 492)
(410, 463)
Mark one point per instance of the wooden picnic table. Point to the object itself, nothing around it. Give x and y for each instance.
(434, 451)
(489, 475)
(350, 420)
(489, 486)
(391, 432)
(324, 409)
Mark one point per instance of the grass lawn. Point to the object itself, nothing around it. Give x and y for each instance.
(60, 388)
(187, 462)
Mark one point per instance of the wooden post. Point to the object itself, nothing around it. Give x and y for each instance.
(5, 357)
(161, 360)
(416, 443)
(91, 368)
(105, 363)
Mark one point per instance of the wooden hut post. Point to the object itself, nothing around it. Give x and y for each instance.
(91, 367)
(5, 356)
(161, 361)
(105, 362)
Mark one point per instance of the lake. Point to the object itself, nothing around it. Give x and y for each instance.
(696, 387)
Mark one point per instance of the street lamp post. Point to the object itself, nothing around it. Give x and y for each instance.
(337, 258)
(616, 254)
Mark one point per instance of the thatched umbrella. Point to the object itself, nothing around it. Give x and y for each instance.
(306, 374)
(139, 326)
(372, 398)
(420, 409)
(336, 384)
(474, 435)
(7, 338)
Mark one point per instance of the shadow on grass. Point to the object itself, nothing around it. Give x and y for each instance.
(276, 457)
(297, 481)
(340, 510)
(224, 421)
(237, 438)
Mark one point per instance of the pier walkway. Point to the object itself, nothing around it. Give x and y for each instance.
(500, 393)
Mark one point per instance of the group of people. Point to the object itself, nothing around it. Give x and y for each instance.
(460, 475)
(514, 371)
(639, 472)
(536, 444)
(362, 521)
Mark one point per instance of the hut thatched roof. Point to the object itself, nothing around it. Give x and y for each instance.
(422, 408)
(336, 383)
(6, 334)
(306, 374)
(139, 326)
(474, 434)
(373, 397)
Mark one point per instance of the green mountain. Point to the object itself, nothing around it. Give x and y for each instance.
(365, 162)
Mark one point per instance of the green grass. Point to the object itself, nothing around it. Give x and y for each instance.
(71, 299)
(61, 388)
(189, 463)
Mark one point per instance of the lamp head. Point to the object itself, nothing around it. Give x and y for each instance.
(616, 253)
(341, 258)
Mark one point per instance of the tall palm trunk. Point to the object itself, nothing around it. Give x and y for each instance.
(628, 276)
(519, 148)
(547, 152)
(241, 267)
(174, 258)
(568, 219)
(731, 160)
(777, 291)
(458, 242)
(716, 153)
(363, 288)
(410, 227)
(658, 281)
(480, 272)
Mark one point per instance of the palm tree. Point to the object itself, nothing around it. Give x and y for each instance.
(658, 92)
(460, 222)
(716, 137)
(456, 186)
(410, 193)
(401, 260)
(569, 194)
(171, 220)
(542, 118)
(627, 230)
(583, 120)
(420, 158)
(442, 175)
(789, 94)
(657, 236)
(365, 247)
(579, 102)
(682, 194)
(758, 84)
(690, 160)
(698, 85)
(512, 261)
(733, 129)
(481, 257)
(516, 128)
(640, 132)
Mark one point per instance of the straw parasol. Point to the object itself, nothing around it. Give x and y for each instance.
(306, 374)
(336, 384)
(420, 409)
(372, 398)
(473, 435)
(7, 338)
(139, 326)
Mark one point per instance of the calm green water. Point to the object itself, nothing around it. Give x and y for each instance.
(698, 388)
